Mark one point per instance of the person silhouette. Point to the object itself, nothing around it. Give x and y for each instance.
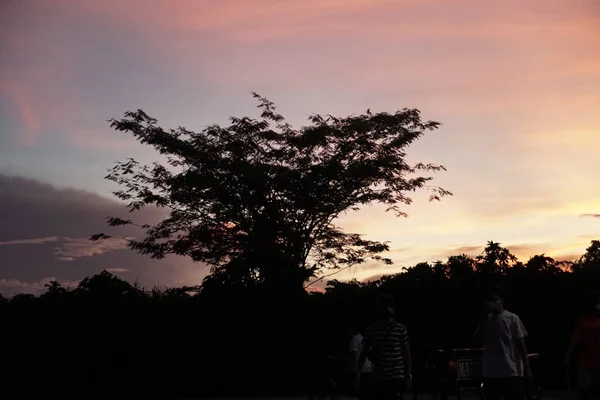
(586, 341)
(387, 345)
(356, 345)
(505, 360)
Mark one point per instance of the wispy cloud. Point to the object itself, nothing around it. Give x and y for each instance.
(469, 250)
(117, 270)
(73, 248)
(69, 249)
(17, 242)
(590, 215)
(10, 287)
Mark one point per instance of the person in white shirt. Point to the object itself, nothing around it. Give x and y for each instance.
(356, 345)
(505, 360)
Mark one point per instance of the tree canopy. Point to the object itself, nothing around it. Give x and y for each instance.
(257, 200)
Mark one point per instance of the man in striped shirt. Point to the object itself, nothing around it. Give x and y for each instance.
(387, 345)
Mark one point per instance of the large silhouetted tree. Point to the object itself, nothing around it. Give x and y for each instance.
(257, 200)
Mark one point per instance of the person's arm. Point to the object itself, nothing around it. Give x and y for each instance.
(406, 354)
(523, 354)
(573, 342)
(364, 351)
(361, 358)
(477, 335)
(479, 331)
(519, 334)
(407, 357)
(355, 345)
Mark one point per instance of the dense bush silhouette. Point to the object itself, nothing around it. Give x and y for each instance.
(108, 334)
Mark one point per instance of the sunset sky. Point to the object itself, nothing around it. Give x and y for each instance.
(516, 85)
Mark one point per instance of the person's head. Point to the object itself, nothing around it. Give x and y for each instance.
(494, 301)
(353, 329)
(361, 326)
(595, 303)
(385, 306)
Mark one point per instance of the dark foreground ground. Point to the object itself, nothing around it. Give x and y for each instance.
(553, 395)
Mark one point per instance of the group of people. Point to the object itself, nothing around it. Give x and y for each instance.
(381, 363)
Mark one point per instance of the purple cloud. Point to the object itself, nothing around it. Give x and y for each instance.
(45, 230)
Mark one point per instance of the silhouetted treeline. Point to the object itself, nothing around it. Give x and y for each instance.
(110, 335)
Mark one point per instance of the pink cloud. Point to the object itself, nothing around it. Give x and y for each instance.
(240, 20)
(43, 106)
(24, 108)
(35, 81)
(460, 56)
(29, 118)
(25, 75)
